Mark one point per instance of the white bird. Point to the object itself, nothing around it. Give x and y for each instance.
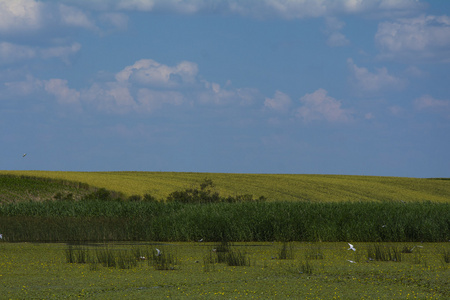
(353, 262)
(351, 247)
(200, 240)
(415, 247)
(1, 236)
(24, 155)
(158, 252)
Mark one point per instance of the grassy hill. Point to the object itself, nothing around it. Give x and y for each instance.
(275, 187)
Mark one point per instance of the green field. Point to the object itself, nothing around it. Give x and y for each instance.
(275, 187)
(311, 271)
(291, 244)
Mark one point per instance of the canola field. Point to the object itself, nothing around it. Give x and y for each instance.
(274, 187)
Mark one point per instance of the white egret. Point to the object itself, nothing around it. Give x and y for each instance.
(158, 252)
(351, 247)
(415, 247)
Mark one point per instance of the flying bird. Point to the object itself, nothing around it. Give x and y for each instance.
(158, 252)
(351, 247)
(353, 262)
(24, 155)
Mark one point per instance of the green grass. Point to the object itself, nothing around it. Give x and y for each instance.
(40, 271)
(275, 187)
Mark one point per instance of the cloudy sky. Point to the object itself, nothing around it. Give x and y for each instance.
(258, 86)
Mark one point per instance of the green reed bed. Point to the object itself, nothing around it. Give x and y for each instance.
(95, 220)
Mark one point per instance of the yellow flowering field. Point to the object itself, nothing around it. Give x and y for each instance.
(310, 271)
(274, 187)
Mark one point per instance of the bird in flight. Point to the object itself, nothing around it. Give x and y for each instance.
(24, 155)
(351, 247)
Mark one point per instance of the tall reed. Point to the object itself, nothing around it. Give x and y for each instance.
(95, 220)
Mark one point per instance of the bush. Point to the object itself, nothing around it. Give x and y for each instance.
(135, 198)
(149, 198)
(203, 195)
(100, 194)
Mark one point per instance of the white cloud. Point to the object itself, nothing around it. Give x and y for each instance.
(24, 87)
(62, 52)
(60, 89)
(280, 102)
(369, 116)
(319, 106)
(73, 16)
(147, 86)
(415, 72)
(286, 9)
(396, 110)
(423, 37)
(117, 20)
(10, 53)
(335, 37)
(289, 9)
(150, 72)
(427, 102)
(213, 93)
(150, 100)
(365, 80)
(19, 15)
(141, 5)
(110, 97)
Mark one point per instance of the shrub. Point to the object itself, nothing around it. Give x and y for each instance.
(203, 195)
(100, 194)
(150, 198)
(135, 198)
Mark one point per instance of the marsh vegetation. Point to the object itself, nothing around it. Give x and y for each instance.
(242, 243)
(112, 270)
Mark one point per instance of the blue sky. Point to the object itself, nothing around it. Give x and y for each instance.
(257, 86)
